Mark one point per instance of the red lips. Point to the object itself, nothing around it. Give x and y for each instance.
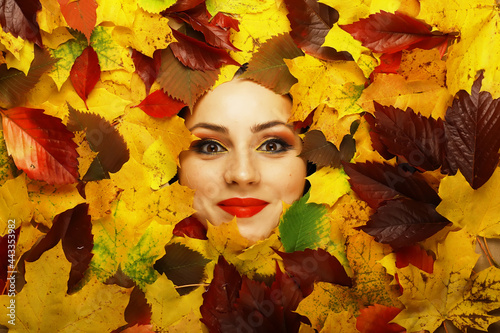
(243, 207)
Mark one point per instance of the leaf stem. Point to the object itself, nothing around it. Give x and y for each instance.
(486, 250)
(193, 285)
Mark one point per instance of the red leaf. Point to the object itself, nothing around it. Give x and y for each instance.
(138, 311)
(181, 82)
(159, 105)
(182, 5)
(198, 55)
(40, 145)
(309, 266)
(190, 227)
(416, 256)
(403, 222)
(225, 22)
(19, 18)
(80, 15)
(85, 73)
(389, 63)
(147, 68)
(376, 319)
(376, 142)
(311, 21)
(8, 260)
(388, 33)
(420, 140)
(73, 227)
(102, 138)
(472, 125)
(199, 18)
(376, 183)
(217, 309)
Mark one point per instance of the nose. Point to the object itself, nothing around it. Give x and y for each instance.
(242, 169)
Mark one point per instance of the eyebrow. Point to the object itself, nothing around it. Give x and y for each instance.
(224, 129)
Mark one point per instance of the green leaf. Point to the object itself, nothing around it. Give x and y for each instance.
(181, 82)
(304, 226)
(67, 54)
(155, 6)
(267, 66)
(111, 55)
(182, 266)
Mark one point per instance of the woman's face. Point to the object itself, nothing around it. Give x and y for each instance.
(245, 162)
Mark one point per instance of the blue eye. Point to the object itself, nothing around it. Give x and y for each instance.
(274, 145)
(209, 147)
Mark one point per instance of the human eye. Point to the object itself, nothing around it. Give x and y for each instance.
(208, 147)
(274, 145)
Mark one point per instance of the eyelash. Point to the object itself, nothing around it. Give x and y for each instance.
(202, 145)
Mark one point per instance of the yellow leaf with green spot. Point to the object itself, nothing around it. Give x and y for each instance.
(337, 84)
(44, 306)
(159, 163)
(163, 298)
(328, 185)
(66, 54)
(111, 55)
(142, 256)
(476, 211)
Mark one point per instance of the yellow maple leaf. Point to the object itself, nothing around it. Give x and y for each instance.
(22, 61)
(337, 84)
(477, 211)
(100, 194)
(256, 28)
(166, 304)
(449, 293)
(423, 65)
(425, 97)
(364, 148)
(14, 203)
(353, 11)
(260, 258)
(44, 306)
(188, 323)
(238, 6)
(344, 322)
(328, 185)
(144, 33)
(119, 13)
(50, 200)
(50, 17)
(171, 204)
(159, 163)
(341, 40)
(12, 44)
(225, 239)
(327, 120)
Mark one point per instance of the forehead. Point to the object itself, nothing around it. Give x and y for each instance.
(240, 102)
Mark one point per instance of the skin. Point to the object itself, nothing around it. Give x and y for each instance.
(245, 149)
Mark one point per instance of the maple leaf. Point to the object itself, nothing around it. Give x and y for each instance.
(47, 306)
(389, 33)
(159, 104)
(415, 255)
(267, 66)
(311, 21)
(85, 73)
(328, 186)
(376, 319)
(80, 15)
(401, 222)
(304, 225)
(54, 157)
(14, 84)
(471, 126)
(182, 266)
(309, 266)
(181, 82)
(73, 229)
(19, 18)
(147, 68)
(104, 139)
(420, 140)
(214, 31)
(377, 182)
(198, 55)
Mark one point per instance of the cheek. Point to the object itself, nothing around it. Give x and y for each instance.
(289, 181)
(199, 175)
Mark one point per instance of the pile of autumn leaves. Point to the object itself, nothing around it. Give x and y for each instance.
(405, 207)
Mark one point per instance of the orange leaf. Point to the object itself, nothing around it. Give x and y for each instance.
(159, 104)
(80, 15)
(40, 145)
(376, 318)
(85, 73)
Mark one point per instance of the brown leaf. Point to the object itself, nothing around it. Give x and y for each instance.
(147, 68)
(319, 151)
(19, 18)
